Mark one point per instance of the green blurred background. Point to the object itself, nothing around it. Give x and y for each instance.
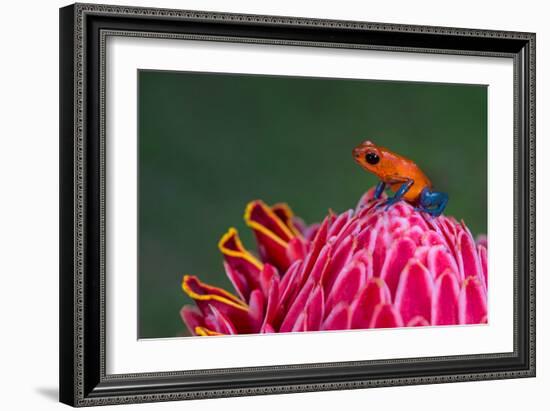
(210, 143)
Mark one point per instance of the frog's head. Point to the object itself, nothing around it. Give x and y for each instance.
(368, 155)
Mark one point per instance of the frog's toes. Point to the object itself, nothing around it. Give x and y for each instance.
(431, 213)
(388, 203)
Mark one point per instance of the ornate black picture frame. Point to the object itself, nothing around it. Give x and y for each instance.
(83, 30)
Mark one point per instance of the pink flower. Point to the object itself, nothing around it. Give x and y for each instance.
(367, 268)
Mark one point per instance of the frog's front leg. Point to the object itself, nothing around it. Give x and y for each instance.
(379, 190)
(432, 202)
(398, 196)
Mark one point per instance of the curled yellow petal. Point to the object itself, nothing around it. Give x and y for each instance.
(204, 292)
(285, 213)
(206, 332)
(271, 227)
(230, 245)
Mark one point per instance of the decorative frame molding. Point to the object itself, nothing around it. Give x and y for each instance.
(83, 32)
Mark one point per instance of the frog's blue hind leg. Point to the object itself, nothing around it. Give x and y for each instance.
(398, 194)
(432, 202)
(379, 190)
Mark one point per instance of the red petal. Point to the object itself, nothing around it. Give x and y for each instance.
(256, 309)
(340, 222)
(445, 300)
(289, 286)
(229, 305)
(448, 228)
(377, 247)
(352, 228)
(315, 309)
(401, 251)
(341, 257)
(421, 254)
(415, 233)
(272, 303)
(192, 317)
(286, 215)
(311, 231)
(483, 259)
(259, 216)
(482, 240)
(273, 251)
(316, 246)
(238, 280)
(414, 292)
(223, 324)
(348, 283)
(338, 319)
(200, 291)
(401, 209)
(364, 237)
(385, 316)
(418, 321)
(468, 259)
(296, 250)
(300, 324)
(271, 233)
(441, 260)
(376, 221)
(368, 198)
(244, 266)
(398, 224)
(362, 309)
(364, 257)
(432, 238)
(369, 209)
(416, 220)
(296, 308)
(321, 265)
(266, 277)
(472, 302)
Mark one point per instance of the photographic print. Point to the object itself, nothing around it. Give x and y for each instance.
(276, 204)
(275, 187)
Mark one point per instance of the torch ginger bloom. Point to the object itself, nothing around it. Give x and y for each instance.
(367, 268)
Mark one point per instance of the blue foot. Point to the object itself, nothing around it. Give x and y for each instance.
(432, 202)
(432, 213)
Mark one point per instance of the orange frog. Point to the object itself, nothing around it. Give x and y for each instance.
(402, 176)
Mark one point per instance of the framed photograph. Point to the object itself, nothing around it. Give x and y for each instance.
(261, 204)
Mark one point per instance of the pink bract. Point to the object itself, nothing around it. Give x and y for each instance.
(364, 268)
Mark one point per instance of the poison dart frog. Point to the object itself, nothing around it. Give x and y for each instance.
(402, 176)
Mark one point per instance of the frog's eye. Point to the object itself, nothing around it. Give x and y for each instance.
(372, 158)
